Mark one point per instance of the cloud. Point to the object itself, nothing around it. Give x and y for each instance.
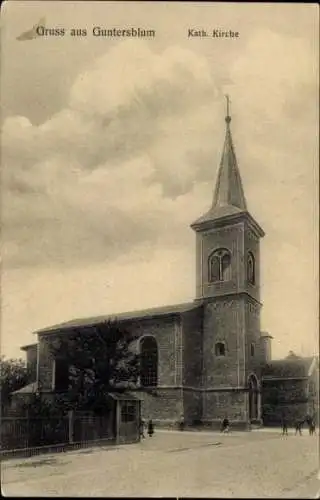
(87, 184)
(131, 160)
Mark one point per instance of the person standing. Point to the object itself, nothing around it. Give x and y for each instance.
(181, 424)
(284, 426)
(312, 428)
(150, 428)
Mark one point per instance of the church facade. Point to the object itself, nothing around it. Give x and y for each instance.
(203, 360)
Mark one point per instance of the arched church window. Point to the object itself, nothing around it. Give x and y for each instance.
(220, 349)
(220, 265)
(149, 362)
(251, 269)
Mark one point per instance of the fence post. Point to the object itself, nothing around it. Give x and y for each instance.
(70, 425)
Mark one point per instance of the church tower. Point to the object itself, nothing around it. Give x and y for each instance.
(228, 285)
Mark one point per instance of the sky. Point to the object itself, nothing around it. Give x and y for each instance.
(110, 150)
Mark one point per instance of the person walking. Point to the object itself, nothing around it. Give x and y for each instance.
(150, 428)
(299, 425)
(284, 426)
(225, 426)
(181, 423)
(141, 428)
(312, 428)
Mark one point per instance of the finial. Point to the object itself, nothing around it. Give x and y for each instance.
(228, 117)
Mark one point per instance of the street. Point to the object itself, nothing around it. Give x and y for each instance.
(260, 463)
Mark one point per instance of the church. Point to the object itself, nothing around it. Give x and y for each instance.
(204, 360)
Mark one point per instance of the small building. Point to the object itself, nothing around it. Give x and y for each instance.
(127, 417)
(290, 389)
(119, 425)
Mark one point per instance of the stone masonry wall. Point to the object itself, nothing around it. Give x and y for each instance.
(288, 397)
(192, 364)
(192, 347)
(220, 404)
(253, 337)
(251, 244)
(164, 407)
(224, 321)
(164, 329)
(192, 406)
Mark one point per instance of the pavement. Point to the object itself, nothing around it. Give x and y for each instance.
(260, 464)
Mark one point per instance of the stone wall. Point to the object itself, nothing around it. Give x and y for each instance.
(163, 406)
(284, 397)
(192, 406)
(164, 330)
(220, 404)
(251, 244)
(224, 321)
(192, 345)
(253, 337)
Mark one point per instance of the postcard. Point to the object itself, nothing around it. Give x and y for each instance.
(159, 272)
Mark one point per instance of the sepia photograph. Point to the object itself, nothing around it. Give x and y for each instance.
(159, 249)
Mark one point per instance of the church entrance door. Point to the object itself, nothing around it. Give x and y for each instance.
(253, 398)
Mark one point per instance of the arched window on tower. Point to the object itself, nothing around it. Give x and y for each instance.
(220, 265)
(220, 349)
(251, 269)
(149, 362)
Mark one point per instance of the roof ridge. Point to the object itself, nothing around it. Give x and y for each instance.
(122, 316)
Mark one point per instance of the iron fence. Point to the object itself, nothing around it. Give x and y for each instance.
(23, 432)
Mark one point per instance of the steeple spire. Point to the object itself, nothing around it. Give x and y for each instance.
(229, 190)
(228, 198)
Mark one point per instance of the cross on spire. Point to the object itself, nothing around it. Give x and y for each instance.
(228, 117)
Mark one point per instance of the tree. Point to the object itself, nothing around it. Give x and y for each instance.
(14, 375)
(93, 362)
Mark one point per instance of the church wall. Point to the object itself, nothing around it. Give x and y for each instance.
(220, 404)
(163, 329)
(253, 363)
(192, 341)
(192, 364)
(252, 244)
(192, 406)
(224, 321)
(164, 406)
(166, 332)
